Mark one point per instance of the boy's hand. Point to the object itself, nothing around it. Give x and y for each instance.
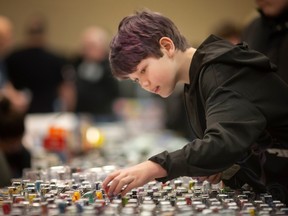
(213, 179)
(124, 180)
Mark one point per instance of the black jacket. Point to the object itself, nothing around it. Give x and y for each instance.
(236, 104)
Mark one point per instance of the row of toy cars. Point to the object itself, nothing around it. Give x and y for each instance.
(66, 191)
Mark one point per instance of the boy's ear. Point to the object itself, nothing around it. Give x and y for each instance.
(167, 44)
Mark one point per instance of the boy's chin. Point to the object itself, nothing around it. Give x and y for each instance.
(165, 95)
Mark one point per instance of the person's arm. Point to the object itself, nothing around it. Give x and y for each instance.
(20, 99)
(233, 125)
(122, 181)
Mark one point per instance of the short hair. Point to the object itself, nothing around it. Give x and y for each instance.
(138, 38)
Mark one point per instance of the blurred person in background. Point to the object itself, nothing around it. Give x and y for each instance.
(36, 69)
(268, 33)
(17, 98)
(14, 157)
(96, 88)
(228, 30)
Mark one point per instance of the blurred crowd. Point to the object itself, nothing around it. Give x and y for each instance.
(36, 79)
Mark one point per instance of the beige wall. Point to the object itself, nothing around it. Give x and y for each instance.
(67, 18)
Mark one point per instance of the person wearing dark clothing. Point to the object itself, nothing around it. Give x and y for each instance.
(96, 88)
(235, 102)
(37, 70)
(17, 98)
(229, 95)
(14, 157)
(268, 33)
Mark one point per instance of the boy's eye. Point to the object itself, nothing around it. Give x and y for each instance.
(136, 80)
(142, 71)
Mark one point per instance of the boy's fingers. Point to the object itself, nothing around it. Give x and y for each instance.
(202, 178)
(108, 182)
(214, 179)
(126, 189)
(123, 184)
(110, 177)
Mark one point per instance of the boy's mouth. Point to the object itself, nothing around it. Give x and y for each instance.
(156, 90)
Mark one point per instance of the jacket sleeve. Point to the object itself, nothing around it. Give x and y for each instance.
(233, 125)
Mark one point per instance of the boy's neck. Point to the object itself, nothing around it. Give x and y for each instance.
(184, 59)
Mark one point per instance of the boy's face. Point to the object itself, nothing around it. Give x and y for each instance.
(157, 75)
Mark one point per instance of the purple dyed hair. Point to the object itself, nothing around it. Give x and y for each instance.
(138, 38)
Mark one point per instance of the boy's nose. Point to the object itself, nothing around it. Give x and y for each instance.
(145, 84)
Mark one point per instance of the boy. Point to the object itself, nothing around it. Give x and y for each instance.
(236, 105)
